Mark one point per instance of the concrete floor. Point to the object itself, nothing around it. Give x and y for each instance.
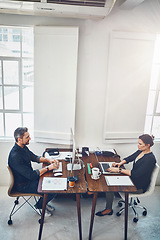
(63, 224)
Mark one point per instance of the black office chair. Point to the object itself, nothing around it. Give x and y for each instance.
(134, 198)
(13, 193)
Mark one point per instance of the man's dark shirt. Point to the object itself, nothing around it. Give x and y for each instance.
(20, 162)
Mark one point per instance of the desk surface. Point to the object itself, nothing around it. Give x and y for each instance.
(100, 184)
(80, 185)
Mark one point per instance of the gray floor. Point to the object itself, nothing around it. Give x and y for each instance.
(63, 224)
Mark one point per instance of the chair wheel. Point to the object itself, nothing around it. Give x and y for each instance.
(144, 213)
(10, 222)
(135, 203)
(16, 202)
(135, 219)
(120, 204)
(118, 214)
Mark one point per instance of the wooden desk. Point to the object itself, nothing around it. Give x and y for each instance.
(80, 187)
(101, 186)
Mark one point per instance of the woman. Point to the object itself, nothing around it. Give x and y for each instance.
(143, 164)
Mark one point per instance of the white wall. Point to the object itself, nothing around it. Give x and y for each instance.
(92, 72)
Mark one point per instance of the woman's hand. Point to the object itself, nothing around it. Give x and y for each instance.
(113, 169)
(116, 164)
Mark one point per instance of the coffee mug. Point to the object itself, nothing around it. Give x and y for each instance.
(71, 181)
(96, 173)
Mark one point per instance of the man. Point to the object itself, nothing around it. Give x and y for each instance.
(20, 158)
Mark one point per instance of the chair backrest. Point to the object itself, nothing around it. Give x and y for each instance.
(14, 193)
(151, 187)
(153, 180)
(11, 181)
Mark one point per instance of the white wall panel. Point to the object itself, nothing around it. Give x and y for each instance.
(129, 69)
(56, 50)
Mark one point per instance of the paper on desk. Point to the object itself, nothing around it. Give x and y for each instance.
(118, 181)
(54, 183)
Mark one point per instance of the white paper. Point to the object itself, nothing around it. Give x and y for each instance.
(54, 183)
(118, 181)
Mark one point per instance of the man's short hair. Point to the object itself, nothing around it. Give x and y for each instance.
(19, 132)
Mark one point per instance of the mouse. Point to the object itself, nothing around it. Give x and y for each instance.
(58, 174)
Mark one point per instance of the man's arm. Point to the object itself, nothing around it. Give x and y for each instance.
(53, 164)
(49, 161)
(48, 168)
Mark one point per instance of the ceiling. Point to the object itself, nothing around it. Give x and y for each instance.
(59, 8)
(84, 9)
(94, 3)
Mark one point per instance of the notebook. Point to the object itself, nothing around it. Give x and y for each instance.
(118, 181)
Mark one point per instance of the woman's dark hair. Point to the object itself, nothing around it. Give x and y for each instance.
(147, 139)
(19, 132)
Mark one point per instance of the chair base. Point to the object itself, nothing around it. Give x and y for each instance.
(134, 204)
(16, 202)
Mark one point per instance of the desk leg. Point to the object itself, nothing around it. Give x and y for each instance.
(42, 216)
(126, 216)
(79, 215)
(92, 214)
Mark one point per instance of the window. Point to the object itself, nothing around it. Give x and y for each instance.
(16, 80)
(4, 34)
(152, 122)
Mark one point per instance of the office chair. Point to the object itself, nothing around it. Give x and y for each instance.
(26, 197)
(134, 200)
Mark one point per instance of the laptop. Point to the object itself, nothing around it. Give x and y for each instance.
(104, 166)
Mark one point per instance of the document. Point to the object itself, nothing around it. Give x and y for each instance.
(118, 181)
(54, 183)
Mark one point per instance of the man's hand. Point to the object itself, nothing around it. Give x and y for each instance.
(54, 161)
(54, 165)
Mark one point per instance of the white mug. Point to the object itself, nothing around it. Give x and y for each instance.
(96, 173)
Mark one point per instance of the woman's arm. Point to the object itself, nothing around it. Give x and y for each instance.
(119, 170)
(119, 164)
